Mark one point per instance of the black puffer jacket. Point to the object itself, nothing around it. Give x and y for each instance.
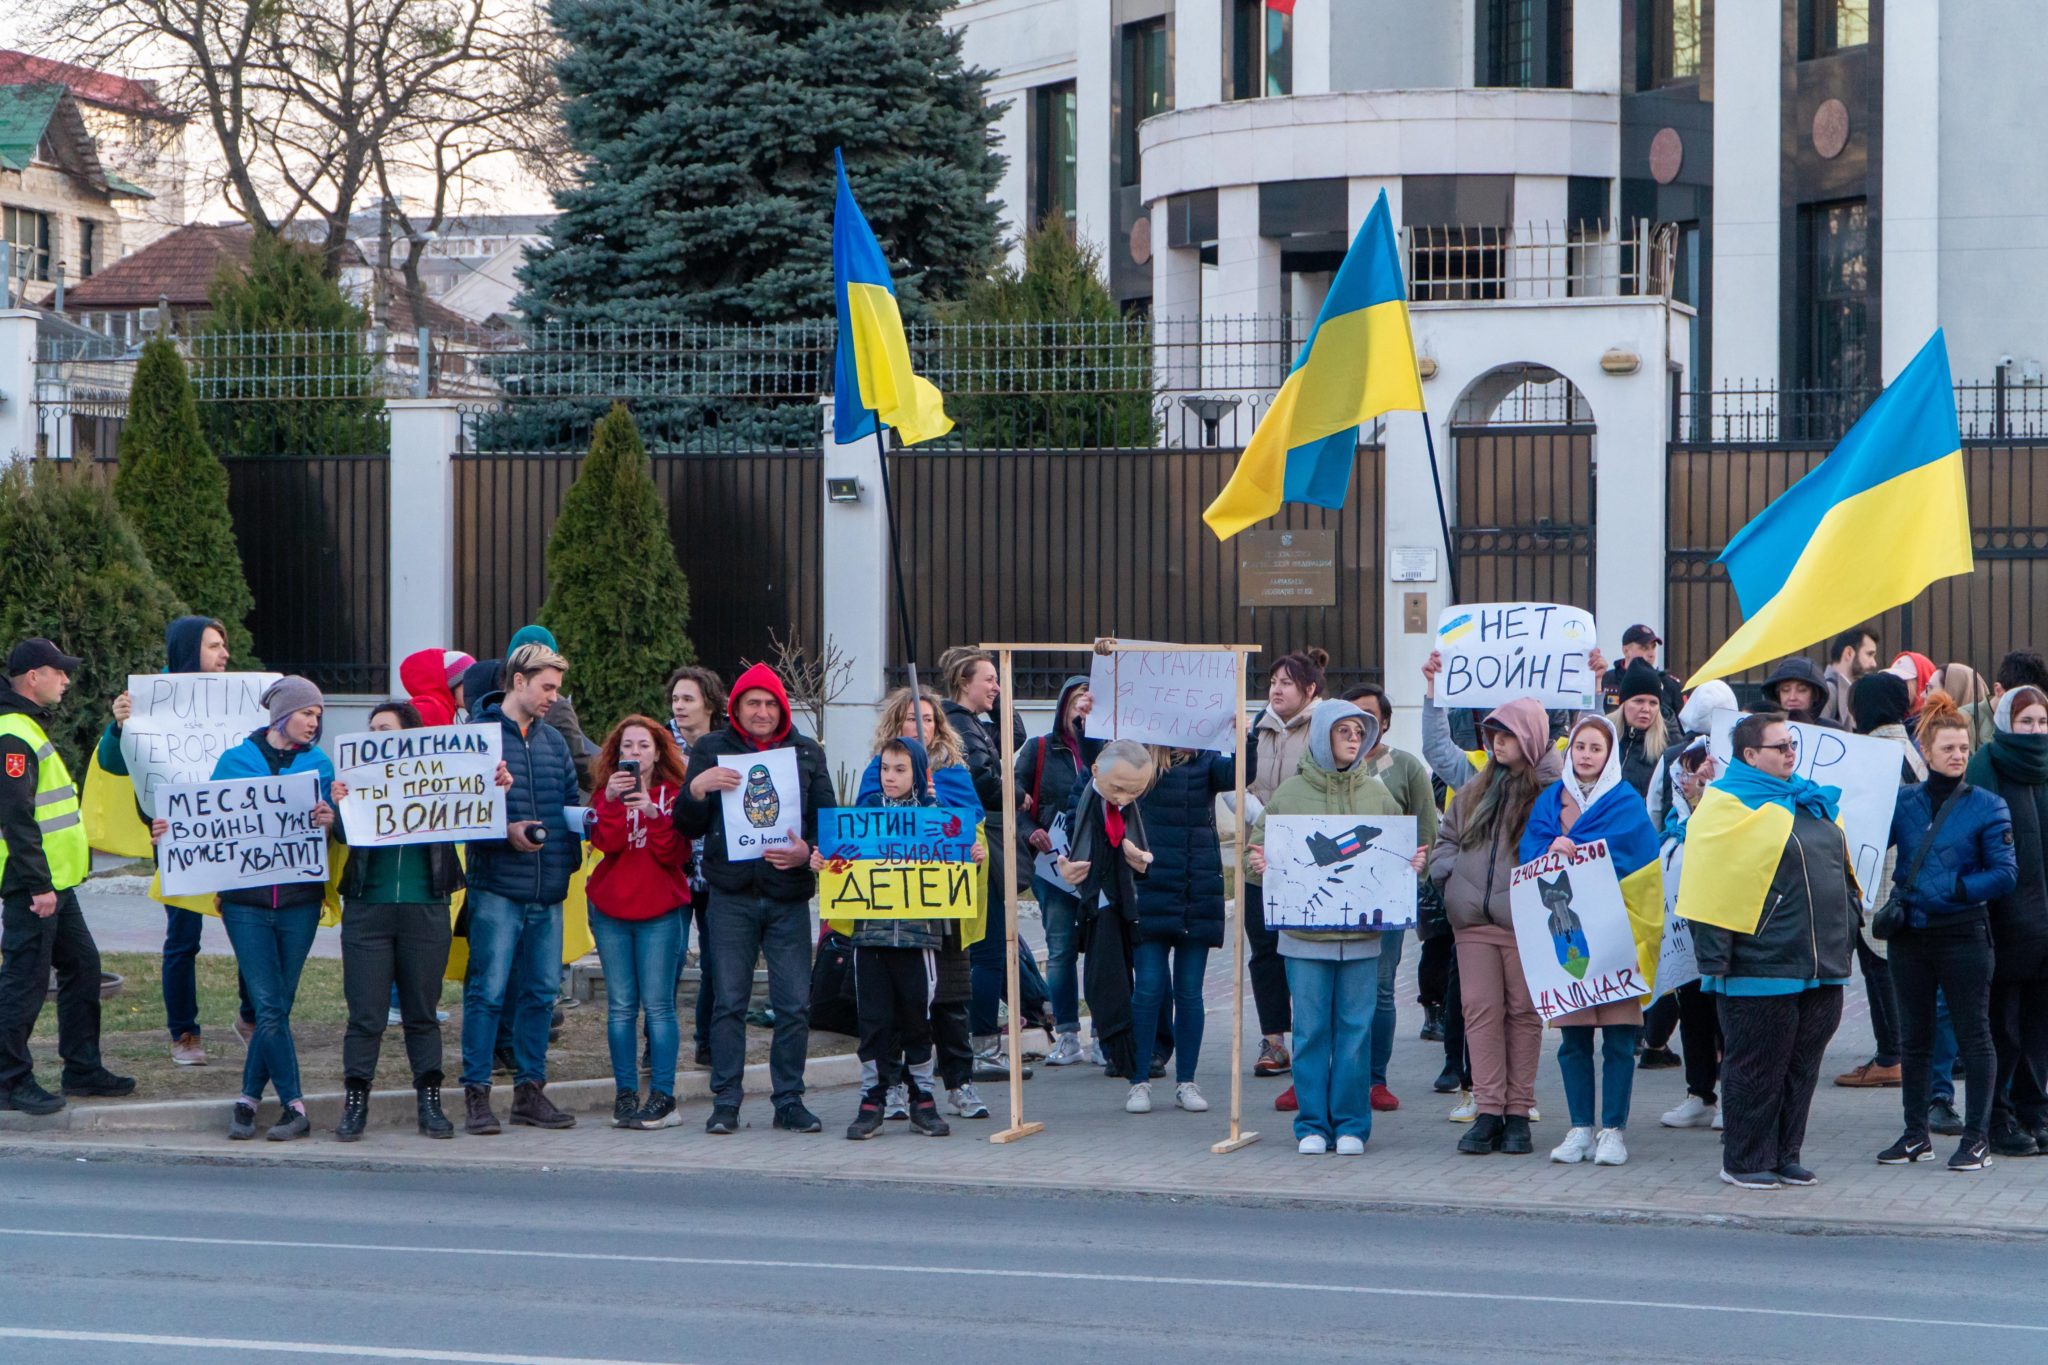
(543, 783)
(2012, 766)
(1638, 769)
(1050, 769)
(1810, 920)
(1182, 893)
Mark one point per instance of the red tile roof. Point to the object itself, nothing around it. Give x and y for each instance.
(93, 87)
(179, 267)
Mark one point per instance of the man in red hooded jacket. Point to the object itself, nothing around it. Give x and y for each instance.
(762, 905)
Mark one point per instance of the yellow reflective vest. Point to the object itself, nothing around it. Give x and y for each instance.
(57, 812)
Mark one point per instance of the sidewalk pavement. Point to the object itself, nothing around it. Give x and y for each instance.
(1090, 1143)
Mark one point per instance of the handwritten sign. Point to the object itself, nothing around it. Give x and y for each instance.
(1339, 872)
(183, 722)
(897, 862)
(1497, 652)
(428, 786)
(1678, 962)
(1182, 699)
(1572, 930)
(1864, 767)
(1046, 866)
(767, 804)
(244, 831)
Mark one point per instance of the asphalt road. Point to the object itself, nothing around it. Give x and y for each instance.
(137, 1262)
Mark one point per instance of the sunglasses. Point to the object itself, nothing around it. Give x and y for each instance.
(1789, 746)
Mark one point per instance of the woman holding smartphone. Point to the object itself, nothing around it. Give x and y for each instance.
(640, 891)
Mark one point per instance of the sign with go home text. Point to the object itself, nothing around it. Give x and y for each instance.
(181, 723)
(897, 862)
(1181, 699)
(435, 785)
(1496, 652)
(243, 831)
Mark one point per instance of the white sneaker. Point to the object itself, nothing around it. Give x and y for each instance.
(393, 1019)
(1350, 1146)
(1467, 1110)
(1313, 1145)
(1693, 1112)
(897, 1105)
(1535, 1114)
(1612, 1150)
(1139, 1101)
(1576, 1147)
(1066, 1051)
(1095, 1057)
(1189, 1098)
(965, 1103)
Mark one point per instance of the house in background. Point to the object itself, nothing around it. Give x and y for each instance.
(60, 204)
(136, 135)
(472, 266)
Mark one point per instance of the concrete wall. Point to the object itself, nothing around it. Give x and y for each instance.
(1748, 93)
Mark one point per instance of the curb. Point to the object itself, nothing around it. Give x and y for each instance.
(388, 1108)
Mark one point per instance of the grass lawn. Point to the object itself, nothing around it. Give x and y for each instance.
(134, 1042)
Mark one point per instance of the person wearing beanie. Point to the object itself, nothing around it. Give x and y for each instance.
(272, 927)
(456, 665)
(1878, 703)
(1797, 688)
(1644, 725)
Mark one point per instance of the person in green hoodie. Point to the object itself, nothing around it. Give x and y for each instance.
(1333, 977)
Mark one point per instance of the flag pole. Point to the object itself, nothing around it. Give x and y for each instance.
(896, 554)
(1443, 519)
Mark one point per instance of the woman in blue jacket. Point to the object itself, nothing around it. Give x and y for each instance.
(1180, 912)
(272, 927)
(1955, 855)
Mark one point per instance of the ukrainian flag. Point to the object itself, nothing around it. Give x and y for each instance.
(872, 378)
(1358, 362)
(1883, 516)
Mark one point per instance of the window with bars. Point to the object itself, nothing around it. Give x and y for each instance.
(1052, 139)
(1836, 268)
(28, 232)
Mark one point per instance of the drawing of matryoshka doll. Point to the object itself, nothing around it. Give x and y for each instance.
(762, 806)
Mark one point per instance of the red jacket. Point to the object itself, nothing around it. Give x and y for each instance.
(426, 681)
(645, 871)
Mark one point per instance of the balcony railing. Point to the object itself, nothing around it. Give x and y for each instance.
(1589, 259)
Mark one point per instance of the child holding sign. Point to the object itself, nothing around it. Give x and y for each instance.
(895, 971)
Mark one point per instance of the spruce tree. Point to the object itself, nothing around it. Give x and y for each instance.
(1086, 368)
(706, 130)
(76, 573)
(175, 495)
(282, 353)
(617, 600)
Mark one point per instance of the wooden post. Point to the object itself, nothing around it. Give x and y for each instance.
(1238, 1137)
(1018, 1127)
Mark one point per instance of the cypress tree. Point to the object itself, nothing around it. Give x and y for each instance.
(617, 600)
(706, 130)
(76, 573)
(175, 495)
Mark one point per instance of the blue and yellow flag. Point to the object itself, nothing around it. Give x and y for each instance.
(1880, 518)
(1358, 362)
(872, 378)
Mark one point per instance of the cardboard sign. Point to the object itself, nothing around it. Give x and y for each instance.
(183, 722)
(1678, 963)
(1573, 933)
(1498, 652)
(435, 785)
(1339, 872)
(1179, 699)
(243, 831)
(765, 807)
(1867, 771)
(897, 862)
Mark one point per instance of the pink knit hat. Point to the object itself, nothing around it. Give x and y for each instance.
(456, 663)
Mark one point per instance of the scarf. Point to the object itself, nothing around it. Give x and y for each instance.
(2019, 759)
(1755, 788)
(1585, 794)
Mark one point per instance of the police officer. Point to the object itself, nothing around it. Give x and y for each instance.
(43, 857)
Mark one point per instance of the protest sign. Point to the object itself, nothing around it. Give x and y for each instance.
(896, 862)
(1046, 865)
(1496, 652)
(243, 831)
(1572, 929)
(183, 722)
(435, 785)
(1182, 699)
(1339, 872)
(1677, 963)
(1867, 771)
(765, 807)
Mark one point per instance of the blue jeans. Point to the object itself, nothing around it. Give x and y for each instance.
(270, 949)
(1383, 1008)
(1942, 1066)
(1059, 910)
(742, 929)
(1148, 997)
(988, 967)
(504, 933)
(1617, 1073)
(1334, 1005)
(640, 957)
(182, 929)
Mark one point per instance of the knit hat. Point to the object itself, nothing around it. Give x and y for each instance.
(1640, 679)
(531, 635)
(456, 663)
(1876, 700)
(288, 696)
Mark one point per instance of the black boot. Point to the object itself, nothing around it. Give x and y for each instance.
(1514, 1138)
(355, 1111)
(1432, 1023)
(868, 1120)
(433, 1123)
(1482, 1137)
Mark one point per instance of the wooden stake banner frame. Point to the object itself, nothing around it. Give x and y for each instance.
(1005, 656)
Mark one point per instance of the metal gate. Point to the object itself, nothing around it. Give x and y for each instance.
(1524, 526)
